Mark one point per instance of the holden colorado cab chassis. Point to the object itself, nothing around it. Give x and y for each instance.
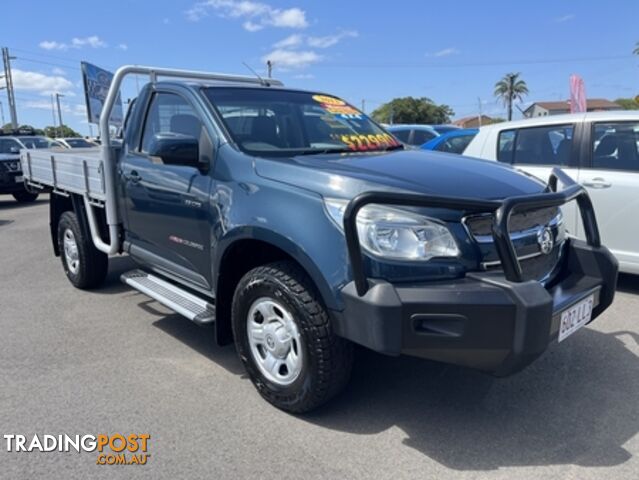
(298, 227)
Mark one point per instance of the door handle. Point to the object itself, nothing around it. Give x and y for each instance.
(598, 182)
(134, 177)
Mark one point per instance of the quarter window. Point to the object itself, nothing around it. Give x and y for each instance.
(615, 146)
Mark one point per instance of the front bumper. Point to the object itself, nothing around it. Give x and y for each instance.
(11, 181)
(481, 321)
(492, 321)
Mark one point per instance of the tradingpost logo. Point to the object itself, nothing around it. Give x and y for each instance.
(113, 449)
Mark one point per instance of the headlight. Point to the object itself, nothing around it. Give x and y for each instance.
(396, 234)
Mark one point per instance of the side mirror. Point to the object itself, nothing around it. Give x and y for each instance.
(175, 149)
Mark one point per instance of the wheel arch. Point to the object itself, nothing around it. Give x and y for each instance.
(250, 247)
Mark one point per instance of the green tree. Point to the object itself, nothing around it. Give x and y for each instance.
(627, 103)
(496, 120)
(509, 89)
(413, 110)
(7, 127)
(65, 131)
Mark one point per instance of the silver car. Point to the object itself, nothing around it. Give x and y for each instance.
(600, 150)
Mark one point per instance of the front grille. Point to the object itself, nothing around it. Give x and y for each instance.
(480, 226)
(524, 226)
(10, 165)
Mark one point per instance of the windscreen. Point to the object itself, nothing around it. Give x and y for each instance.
(35, 142)
(280, 122)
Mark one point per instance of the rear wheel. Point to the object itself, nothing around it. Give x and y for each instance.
(84, 265)
(284, 338)
(25, 197)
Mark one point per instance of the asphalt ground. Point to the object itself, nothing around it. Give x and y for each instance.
(113, 361)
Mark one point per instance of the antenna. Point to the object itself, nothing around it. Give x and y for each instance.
(263, 82)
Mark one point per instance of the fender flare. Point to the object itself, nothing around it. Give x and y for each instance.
(252, 232)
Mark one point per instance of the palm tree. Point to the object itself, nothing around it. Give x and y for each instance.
(636, 50)
(510, 88)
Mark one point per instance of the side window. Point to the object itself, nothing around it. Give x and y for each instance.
(455, 144)
(402, 135)
(615, 146)
(422, 136)
(506, 146)
(538, 146)
(170, 115)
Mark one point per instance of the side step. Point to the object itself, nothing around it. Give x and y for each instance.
(180, 301)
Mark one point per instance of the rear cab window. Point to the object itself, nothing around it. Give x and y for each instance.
(546, 145)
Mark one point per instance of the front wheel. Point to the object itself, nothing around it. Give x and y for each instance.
(284, 338)
(25, 197)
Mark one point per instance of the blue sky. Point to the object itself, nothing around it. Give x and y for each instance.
(452, 52)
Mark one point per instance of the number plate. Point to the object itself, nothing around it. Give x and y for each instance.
(575, 317)
(19, 179)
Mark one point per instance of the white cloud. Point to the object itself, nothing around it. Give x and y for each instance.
(52, 45)
(304, 76)
(58, 71)
(285, 59)
(330, 40)
(252, 27)
(79, 110)
(75, 109)
(122, 46)
(297, 40)
(41, 83)
(256, 15)
(564, 18)
(93, 41)
(289, 42)
(444, 52)
(291, 18)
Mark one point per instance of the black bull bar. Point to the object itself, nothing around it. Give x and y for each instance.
(500, 210)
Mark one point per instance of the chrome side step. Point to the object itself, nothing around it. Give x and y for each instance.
(170, 295)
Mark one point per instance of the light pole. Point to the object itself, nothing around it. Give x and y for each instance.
(57, 99)
(1, 114)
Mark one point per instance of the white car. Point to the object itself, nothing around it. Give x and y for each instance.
(600, 150)
(76, 142)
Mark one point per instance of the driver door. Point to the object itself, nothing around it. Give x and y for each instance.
(166, 196)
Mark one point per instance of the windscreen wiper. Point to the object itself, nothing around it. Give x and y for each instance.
(319, 151)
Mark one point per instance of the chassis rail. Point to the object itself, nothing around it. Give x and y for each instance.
(500, 209)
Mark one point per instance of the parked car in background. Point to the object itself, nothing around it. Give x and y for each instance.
(414, 135)
(36, 142)
(600, 150)
(11, 179)
(77, 142)
(455, 141)
(445, 128)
